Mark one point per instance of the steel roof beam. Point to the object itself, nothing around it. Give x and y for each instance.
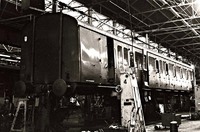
(180, 39)
(185, 45)
(128, 13)
(163, 8)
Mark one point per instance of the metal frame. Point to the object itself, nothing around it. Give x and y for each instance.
(180, 17)
(172, 24)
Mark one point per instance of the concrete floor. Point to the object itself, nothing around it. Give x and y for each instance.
(185, 126)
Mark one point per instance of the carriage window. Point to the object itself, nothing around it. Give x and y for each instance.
(138, 59)
(184, 73)
(187, 75)
(191, 75)
(110, 48)
(167, 69)
(152, 64)
(178, 72)
(120, 58)
(171, 67)
(161, 66)
(174, 70)
(181, 72)
(145, 62)
(164, 67)
(131, 59)
(125, 56)
(157, 66)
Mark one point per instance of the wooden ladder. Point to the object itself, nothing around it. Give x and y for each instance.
(21, 103)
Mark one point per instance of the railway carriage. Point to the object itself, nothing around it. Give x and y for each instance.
(90, 61)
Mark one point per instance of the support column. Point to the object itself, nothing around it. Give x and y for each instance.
(114, 28)
(159, 50)
(147, 40)
(54, 7)
(90, 15)
(168, 50)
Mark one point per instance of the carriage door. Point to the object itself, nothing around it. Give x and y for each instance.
(145, 75)
(93, 56)
(152, 71)
(139, 65)
(111, 64)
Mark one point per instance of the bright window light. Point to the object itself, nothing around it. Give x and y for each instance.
(196, 6)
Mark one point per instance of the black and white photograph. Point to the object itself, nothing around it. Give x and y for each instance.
(99, 65)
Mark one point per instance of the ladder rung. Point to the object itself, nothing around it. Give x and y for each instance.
(16, 130)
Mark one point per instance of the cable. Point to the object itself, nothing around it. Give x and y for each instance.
(130, 20)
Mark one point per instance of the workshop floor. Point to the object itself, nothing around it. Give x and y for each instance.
(185, 126)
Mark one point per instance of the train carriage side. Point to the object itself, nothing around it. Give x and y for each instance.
(135, 56)
(139, 67)
(165, 73)
(153, 78)
(118, 56)
(178, 75)
(181, 77)
(152, 70)
(74, 52)
(122, 59)
(81, 54)
(158, 72)
(61, 48)
(170, 82)
(184, 77)
(93, 53)
(103, 57)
